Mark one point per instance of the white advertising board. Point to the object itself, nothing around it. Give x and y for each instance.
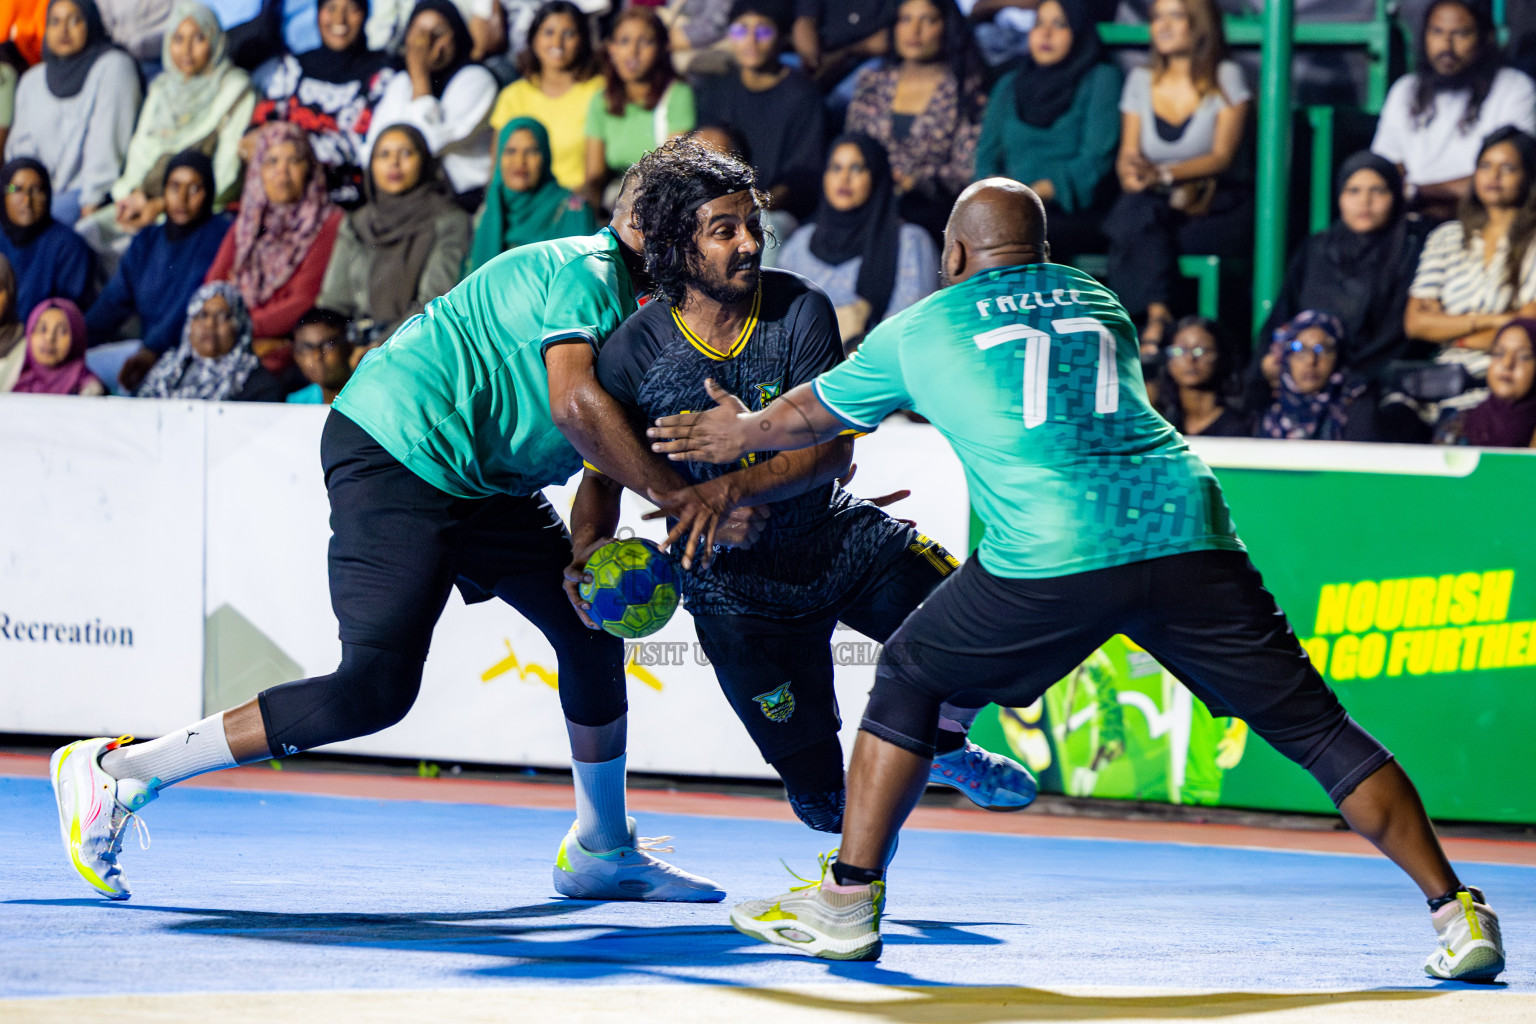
(101, 565)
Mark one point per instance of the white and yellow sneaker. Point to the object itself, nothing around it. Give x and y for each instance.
(630, 872)
(94, 812)
(1471, 948)
(821, 921)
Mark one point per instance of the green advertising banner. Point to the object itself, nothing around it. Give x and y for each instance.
(1410, 577)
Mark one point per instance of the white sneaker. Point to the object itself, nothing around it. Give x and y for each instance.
(1471, 948)
(94, 812)
(821, 922)
(628, 873)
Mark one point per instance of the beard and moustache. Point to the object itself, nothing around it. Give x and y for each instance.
(722, 287)
(1466, 77)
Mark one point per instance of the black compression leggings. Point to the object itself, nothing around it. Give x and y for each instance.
(373, 688)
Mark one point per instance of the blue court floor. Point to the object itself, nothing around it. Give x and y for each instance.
(249, 892)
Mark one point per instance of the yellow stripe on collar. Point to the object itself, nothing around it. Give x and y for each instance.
(741, 339)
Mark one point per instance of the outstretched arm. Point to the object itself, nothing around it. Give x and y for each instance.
(729, 430)
(597, 427)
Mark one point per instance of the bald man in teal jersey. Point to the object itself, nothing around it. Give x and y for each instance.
(1099, 520)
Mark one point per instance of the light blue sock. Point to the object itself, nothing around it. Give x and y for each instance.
(602, 820)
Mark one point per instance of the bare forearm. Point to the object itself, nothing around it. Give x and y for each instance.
(797, 420)
(1207, 166)
(1439, 327)
(597, 426)
(595, 512)
(787, 474)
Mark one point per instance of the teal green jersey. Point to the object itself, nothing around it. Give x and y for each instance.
(1033, 375)
(460, 395)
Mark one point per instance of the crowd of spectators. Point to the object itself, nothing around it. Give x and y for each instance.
(235, 200)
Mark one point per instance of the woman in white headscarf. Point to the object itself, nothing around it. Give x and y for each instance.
(200, 101)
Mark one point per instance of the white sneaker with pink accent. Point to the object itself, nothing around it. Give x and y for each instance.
(94, 812)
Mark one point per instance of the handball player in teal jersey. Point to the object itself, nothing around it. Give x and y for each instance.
(1099, 520)
(434, 457)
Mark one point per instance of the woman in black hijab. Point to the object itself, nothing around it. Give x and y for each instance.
(870, 263)
(345, 80)
(164, 265)
(50, 260)
(1360, 268)
(1054, 122)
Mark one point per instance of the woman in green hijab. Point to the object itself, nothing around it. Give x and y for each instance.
(524, 202)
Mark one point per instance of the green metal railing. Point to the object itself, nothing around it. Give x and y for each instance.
(1273, 206)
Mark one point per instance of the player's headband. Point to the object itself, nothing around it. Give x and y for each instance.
(695, 207)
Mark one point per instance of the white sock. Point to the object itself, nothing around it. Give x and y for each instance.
(187, 752)
(602, 820)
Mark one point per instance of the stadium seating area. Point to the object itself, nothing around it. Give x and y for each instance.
(235, 200)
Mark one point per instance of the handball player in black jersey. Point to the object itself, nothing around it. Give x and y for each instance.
(765, 616)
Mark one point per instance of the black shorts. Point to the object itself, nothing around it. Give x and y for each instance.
(1205, 616)
(398, 544)
(777, 673)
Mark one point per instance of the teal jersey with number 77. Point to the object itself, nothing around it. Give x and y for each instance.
(1033, 375)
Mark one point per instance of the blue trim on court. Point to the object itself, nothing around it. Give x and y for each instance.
(250, 891)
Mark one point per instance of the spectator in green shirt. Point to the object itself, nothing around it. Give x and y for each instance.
(643, 102)
(1054, 122)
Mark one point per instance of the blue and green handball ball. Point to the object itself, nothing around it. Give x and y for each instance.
(633, 591)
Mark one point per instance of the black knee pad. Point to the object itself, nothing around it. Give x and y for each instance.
(900, 714)
(371, 690)
(591, 666)
(822, 811)
(1340, 756)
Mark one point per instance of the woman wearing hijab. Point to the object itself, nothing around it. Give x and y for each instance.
(163, 266)
(1507, 417)
(405, 247)
(214, 361)
(1360, 268)
(524, 202)
(870, 264)
(13, 335)
(444, 97)
(1054, 122)
(1317, 399)
(75, 111)
(199, 102)
(55, 359)
(48, 257)
(277, 251)
(331, 92)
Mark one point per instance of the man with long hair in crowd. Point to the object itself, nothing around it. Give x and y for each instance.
(1435, 119)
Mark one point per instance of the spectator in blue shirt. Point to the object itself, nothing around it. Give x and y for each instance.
(163, 266)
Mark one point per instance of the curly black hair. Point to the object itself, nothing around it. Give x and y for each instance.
(677, 179)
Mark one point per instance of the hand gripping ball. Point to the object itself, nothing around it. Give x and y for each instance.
(633, 591)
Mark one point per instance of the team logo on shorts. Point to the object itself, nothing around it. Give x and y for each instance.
(778, 704)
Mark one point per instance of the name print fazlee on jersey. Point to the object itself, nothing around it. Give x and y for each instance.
(1020, 303)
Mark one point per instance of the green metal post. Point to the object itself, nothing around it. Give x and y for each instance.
(1273, 213)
